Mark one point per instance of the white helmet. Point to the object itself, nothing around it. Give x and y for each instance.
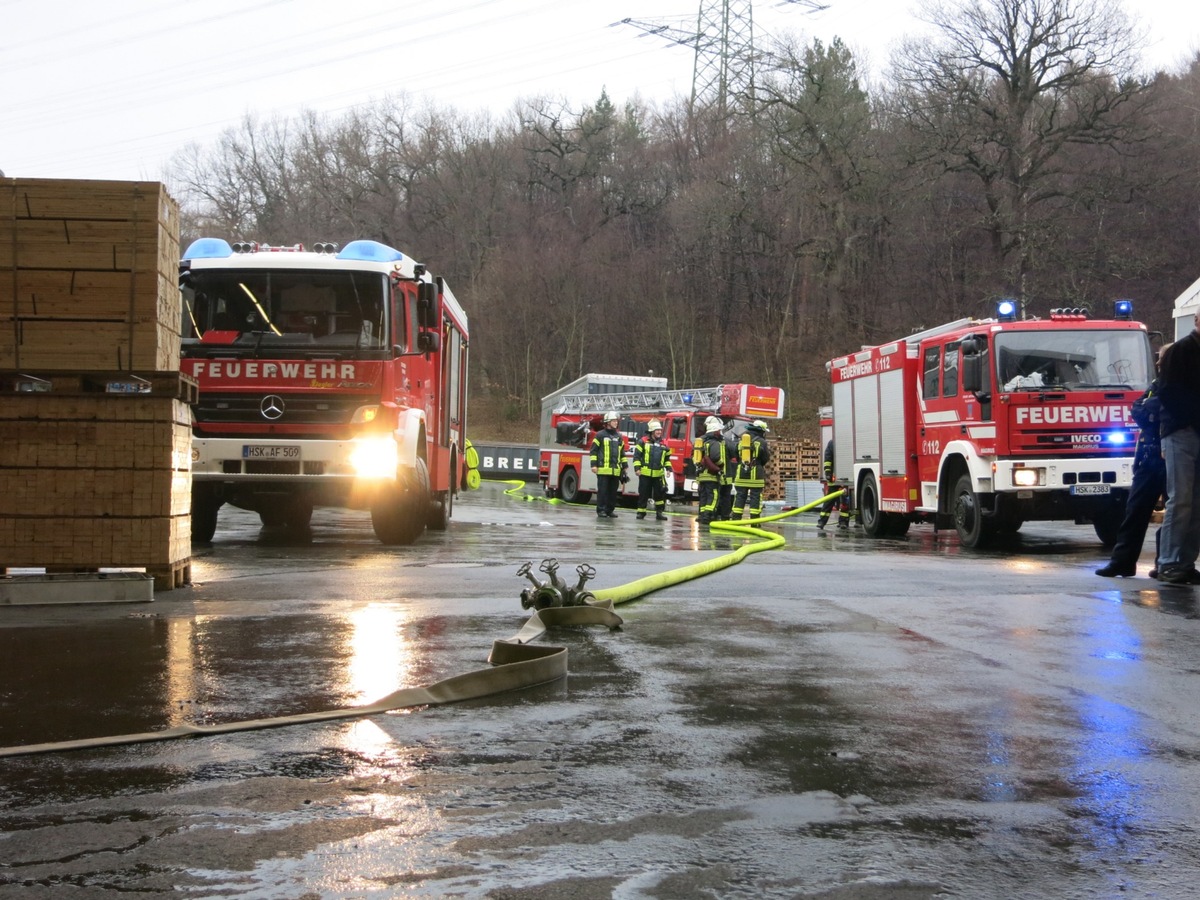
(759, 425)
(654, 425)
(712, 423)
(611, 416)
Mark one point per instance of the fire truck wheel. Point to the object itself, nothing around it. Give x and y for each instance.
(973, 529)
(400, 513)
(205, 504)
(874, 522)
(440, 510)
(293, 513)
(568, 488)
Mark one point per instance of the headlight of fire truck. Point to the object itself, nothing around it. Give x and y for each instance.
(374, 457)
(1023, 476)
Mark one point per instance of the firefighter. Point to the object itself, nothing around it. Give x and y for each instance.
(750, 476)
(608, 464)
(725, 491)
(651, 458)
(709, 455)
(841, 504)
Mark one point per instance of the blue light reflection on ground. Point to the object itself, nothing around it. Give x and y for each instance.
(1111, 745)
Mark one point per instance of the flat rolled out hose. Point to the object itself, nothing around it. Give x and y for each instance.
(515, 663)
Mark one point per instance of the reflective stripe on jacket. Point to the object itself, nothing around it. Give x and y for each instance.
(608, 452)
(651, 458)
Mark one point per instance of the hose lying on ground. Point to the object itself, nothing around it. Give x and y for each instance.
(515, 663)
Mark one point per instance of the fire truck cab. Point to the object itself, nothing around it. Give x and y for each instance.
(982, 425)
(328, 377)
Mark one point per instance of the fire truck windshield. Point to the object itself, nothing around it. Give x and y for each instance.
(1073, 360)
(285, 313)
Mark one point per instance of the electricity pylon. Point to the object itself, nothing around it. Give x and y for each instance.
(723, 43)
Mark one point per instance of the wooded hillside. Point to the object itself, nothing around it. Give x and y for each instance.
(1015, 154)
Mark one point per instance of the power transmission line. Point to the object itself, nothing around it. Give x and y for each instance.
(723, 43)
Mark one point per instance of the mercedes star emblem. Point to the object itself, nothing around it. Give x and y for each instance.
(271, 407)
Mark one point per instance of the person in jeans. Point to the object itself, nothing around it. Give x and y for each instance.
(1179, 383)
(1149, 483)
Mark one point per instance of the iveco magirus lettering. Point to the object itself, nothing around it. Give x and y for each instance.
(982, 425)
(328, 377)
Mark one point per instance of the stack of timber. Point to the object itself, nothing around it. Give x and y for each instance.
(90, 272)
(95, 418)
(791, 461)
(95, 472)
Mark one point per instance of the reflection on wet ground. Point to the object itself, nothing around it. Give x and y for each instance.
(842, 717)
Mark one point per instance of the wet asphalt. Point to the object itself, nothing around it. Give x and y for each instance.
(838, 718)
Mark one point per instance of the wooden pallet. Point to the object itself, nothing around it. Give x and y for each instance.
(166, 577)
(113, 382)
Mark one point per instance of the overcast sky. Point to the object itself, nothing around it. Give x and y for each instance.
(113, 88)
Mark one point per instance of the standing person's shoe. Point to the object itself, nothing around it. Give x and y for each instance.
(660, 517)
(641, 515)
(1179, 576)
(1115, 570)
(1153, 573)
(611, 515)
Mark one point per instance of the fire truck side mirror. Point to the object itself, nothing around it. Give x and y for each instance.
(429, 342)
(427, 305)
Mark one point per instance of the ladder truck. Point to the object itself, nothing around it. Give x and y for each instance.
(574, 419)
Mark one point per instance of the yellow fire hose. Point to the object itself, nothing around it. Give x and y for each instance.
(515, 663)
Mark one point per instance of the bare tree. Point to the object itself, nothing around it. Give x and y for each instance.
(1004, 89)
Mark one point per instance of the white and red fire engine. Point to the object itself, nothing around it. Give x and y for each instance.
(328, 377)
(574, 419)
(984, 425)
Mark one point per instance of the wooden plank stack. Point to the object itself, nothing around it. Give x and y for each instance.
(791, 461)
(90, 272)
(95, 419)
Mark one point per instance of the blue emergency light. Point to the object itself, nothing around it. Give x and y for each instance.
(1006, 310)
(1122, 309)
(208, 248)
(370, 251)
(1118, 437)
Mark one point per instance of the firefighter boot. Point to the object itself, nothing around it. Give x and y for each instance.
(824, 518)
(641, 514)
(660, 515)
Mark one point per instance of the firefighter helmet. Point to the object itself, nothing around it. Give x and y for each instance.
(611, 416)
(759, 425)
(712, 423)
(654, 425)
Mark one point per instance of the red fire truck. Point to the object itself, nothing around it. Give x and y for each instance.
(984, 425)
(575, 418)
(328, 377)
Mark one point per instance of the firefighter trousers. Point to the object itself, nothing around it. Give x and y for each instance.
(707, 501)
(747, 499)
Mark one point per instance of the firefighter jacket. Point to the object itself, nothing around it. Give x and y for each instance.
(651, 457)
(828, 468)
(708, 453)
(608, 452)
(753, 456)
